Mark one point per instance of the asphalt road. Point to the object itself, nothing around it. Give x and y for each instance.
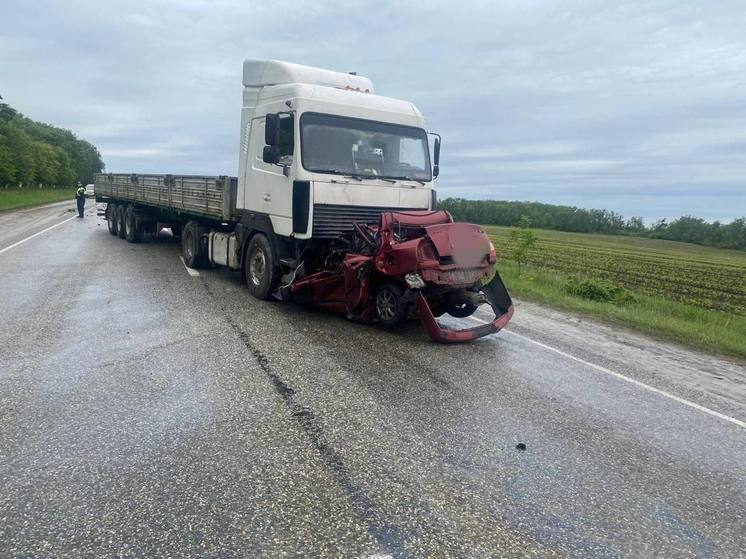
(147, 412)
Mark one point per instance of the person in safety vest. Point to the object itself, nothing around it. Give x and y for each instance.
(80, 198)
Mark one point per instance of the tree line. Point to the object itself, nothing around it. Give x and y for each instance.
(38, 154)
(687, 229)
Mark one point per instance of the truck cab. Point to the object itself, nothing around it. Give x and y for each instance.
(320, 151)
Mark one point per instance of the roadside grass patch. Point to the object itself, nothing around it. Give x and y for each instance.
(704, 277)
(16, 198)
(602, 292)
(705, 329)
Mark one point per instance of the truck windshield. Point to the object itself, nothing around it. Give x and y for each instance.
(363, 148)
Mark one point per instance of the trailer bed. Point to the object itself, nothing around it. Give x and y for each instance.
(207, 196)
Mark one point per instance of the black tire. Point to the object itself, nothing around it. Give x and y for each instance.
(260, 267)
(121, 217)
(390, 309)
(111, 218)
(133, 230)
(194, 245)
(461, 310)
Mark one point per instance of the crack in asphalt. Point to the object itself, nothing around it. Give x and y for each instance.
(388, 536)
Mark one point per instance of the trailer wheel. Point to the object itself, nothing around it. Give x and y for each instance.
(193, 245)
(121, 218)
(390, 309)
(133, 231)
(111, 218)
(261, 269)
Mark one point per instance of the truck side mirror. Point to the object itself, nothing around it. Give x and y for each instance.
(272, 129)
(436, 157)
(269, 155)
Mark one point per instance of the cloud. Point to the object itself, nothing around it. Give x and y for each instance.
(632, 106)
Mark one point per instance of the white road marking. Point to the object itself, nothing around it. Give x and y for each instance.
(191, 271)
(624, 378)
(36, 234)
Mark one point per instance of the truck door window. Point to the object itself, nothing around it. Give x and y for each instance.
(286, 136)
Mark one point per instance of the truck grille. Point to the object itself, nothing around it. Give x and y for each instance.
(332, 220)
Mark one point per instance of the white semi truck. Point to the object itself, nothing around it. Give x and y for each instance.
(319, 152)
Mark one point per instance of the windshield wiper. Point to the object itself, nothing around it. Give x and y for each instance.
(379, 177)
(361, 177)
(330, 171)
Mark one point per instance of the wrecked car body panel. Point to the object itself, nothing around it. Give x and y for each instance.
(424, 264)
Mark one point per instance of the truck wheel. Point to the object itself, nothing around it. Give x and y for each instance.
(390, 309)
(193, 245)
(261, 270)
(111, 218)
(133, 231)
(121, 218)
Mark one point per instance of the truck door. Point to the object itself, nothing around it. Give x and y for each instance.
(268, 190)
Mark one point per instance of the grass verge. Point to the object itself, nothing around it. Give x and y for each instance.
(16, 198)
(705, 329)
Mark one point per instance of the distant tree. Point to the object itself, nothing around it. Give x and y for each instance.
(37, 153)
(521, 242)
(22, 153)
(569, 218)
(635, 225)
(8, 168)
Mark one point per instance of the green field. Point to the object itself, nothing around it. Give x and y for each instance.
(684, 292)
(15, 198)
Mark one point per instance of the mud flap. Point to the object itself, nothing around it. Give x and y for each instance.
(499, 300)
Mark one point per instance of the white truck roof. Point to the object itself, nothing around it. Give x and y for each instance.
(258, 73)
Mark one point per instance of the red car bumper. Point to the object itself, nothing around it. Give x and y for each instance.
(446, 335)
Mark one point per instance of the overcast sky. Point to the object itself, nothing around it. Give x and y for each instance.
(638, 107)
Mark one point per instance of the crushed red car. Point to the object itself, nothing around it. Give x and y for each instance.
(415, 263)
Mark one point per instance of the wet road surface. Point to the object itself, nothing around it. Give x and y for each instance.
(145, 411)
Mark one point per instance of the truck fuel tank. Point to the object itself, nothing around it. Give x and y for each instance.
(222, 249)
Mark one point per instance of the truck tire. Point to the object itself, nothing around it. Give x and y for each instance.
(194, 245)
(261, 271)
(133, 230)
(111, 218)
(120, 221)
(391, 310)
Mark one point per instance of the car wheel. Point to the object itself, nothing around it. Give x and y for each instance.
(390, 309)
(461, 310)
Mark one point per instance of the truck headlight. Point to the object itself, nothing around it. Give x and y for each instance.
(414, 281)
